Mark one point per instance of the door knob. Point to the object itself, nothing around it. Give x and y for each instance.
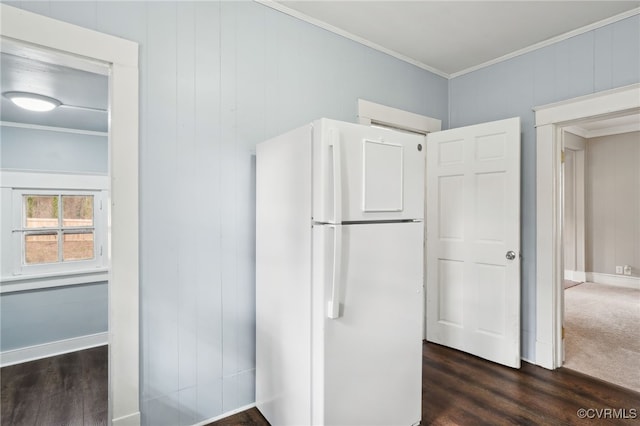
(511, 255)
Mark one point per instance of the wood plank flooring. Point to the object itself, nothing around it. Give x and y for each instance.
(68, 389)
(460, 389)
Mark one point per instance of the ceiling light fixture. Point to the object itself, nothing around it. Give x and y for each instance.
(32, 101)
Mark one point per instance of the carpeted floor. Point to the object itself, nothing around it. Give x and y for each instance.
(602, 333)
(568, 284)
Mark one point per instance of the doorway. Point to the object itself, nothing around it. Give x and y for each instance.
(121, 57)
(601, 239)
(550, 121)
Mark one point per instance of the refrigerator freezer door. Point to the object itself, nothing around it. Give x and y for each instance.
(366, 173)
(367, 363)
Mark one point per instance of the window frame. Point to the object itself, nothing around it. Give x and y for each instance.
(20, 231)
(15, 274)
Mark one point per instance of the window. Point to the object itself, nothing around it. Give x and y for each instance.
(57, 231)
(53, 229)
(57, 228)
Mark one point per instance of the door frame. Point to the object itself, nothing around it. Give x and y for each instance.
(577, 148)
(549, 122)
(121, 56)
(374, 114)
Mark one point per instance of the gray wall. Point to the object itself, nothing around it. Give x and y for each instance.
(215, 79)
(612, 198)
(34, 317)
(43, 150)
(597, 60)
(42, 316)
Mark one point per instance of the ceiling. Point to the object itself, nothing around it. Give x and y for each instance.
(447, 37)
(84, 95)
(451, 37)
(596, 128)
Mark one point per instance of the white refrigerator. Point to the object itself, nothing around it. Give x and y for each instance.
(339, 276)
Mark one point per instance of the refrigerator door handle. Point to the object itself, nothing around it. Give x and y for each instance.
(333, 310)
(334, 143)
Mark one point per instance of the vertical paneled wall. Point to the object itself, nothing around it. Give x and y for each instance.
(598, 60)
(216, 78)
(36, 317)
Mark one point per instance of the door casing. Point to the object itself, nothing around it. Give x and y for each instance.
(122, 58)
(550, 121)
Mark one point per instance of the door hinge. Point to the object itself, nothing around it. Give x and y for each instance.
(562, 157)
(563, 332)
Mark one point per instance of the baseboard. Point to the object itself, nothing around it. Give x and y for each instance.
(227, 414)
(30, 353)
(577, 276)
(614, 280)
(128, 420)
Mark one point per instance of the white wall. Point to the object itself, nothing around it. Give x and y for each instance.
(612, 194)
(216, 78)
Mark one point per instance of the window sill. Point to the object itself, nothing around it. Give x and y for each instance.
(61, 279)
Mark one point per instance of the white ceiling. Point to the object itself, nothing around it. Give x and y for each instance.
(596, 128)
(73, 87)
(451, 37)
(447, 37)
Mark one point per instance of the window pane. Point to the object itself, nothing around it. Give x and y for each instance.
(77, 246)
(41, 211)
(77, 210)
(41, 248)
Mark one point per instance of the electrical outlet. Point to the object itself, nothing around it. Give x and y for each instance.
(618, 269)
(627, 269)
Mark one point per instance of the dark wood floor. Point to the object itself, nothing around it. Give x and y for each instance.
(460, 389)
(69, 389)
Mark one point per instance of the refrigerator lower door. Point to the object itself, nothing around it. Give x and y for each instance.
(367, 361)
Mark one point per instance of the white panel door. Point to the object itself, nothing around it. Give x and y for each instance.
(473, 240)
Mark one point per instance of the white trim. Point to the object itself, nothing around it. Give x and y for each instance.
(550, 121)
(45, 350)
(619, 99)
(52, 128)
(91, 45)
(578, 131)
(225, 415)
(132, 419)
(31, 282)
(607, 131)
(614, 280)
(372, 113)
(60, 58)
(53, 181)
(549, 42)
(50, 35)
(577, 276)
(318, 23)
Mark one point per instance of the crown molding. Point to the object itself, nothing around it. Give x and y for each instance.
(550, 41)
(318, 23)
